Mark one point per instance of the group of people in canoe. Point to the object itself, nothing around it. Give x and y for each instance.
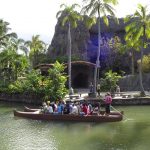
(76, 108)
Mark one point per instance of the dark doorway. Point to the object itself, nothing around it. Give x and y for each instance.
(80, 81)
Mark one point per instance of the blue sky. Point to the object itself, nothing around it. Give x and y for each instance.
(32, 17)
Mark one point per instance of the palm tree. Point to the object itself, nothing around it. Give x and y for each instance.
(139, 28)
(12, 64)
(70, 19)
(4, 35)
(102, 8)
(131, 48)
(36, 47)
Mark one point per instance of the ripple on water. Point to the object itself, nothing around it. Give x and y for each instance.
(23, 134)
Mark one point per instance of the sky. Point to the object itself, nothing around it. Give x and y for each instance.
(38, 17)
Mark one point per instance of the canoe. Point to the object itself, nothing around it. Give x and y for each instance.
(68, 117)
(27, 109)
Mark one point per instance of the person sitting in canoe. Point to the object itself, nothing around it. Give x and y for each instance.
(74, 110)
(44, 107)
(49, 109)
(67, 108)
(84, 109)
(96, 109)
(90, 108)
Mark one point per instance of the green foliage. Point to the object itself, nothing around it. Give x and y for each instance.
(36, 47)
(56, 82)
(103, 8)
(4, 35)
(110, 81)
(146, 63)
(51, 87)
(137, 29)
(72, 16)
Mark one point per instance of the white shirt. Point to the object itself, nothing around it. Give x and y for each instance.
(74, 110)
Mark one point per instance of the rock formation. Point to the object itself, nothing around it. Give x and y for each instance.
(84, 40)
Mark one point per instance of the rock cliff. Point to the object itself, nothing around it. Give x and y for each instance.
(84, 40)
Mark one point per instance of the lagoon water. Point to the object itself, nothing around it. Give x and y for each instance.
(132, 133)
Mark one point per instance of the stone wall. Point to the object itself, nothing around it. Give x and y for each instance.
(37, 99)
(21, 98)
(131, 101)
(131, 83)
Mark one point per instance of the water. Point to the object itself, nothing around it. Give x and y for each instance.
(24, 134)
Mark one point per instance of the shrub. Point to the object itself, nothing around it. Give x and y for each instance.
(109, 83)
(51, 87)
(146, 63)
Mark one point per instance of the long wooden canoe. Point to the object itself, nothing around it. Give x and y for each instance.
(68, 117)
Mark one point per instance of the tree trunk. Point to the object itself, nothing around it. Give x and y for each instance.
(141, 79)
(69, 57)
(98, 54)
(133, 72)
(140, 67)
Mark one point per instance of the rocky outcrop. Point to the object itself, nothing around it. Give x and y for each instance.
(84, 40)
(79, 35)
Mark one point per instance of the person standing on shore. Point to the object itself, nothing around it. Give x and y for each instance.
(98, 89)
(118, 90)
(108, 101)
(91, 88)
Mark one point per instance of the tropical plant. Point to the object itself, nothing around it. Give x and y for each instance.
(124, 50)
(36, 47)
(116, 54)
(70, 19)
(102, 8)
(51, 87)
(12, 64)
(4, 33)
(138, 31)
(55, 83)
(146, 63)
(110, 81)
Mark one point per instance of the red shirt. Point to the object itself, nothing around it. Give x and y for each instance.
(108, 100)
(85, 109)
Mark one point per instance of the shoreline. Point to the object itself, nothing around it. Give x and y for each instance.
(19, 98)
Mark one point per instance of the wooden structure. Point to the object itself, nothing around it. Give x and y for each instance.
(82, 73)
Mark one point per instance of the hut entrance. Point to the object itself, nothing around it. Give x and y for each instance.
(80, 81)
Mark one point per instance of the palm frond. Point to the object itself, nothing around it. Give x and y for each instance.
(58, 14)
(137, 14)
(86, 9)
(93, 11)
(63, 5)
(65, 19)
(114, 2)
(138, 34)
(110, 10)
(105, 20)
(148, 33)
(74, 6)
(90, 21)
